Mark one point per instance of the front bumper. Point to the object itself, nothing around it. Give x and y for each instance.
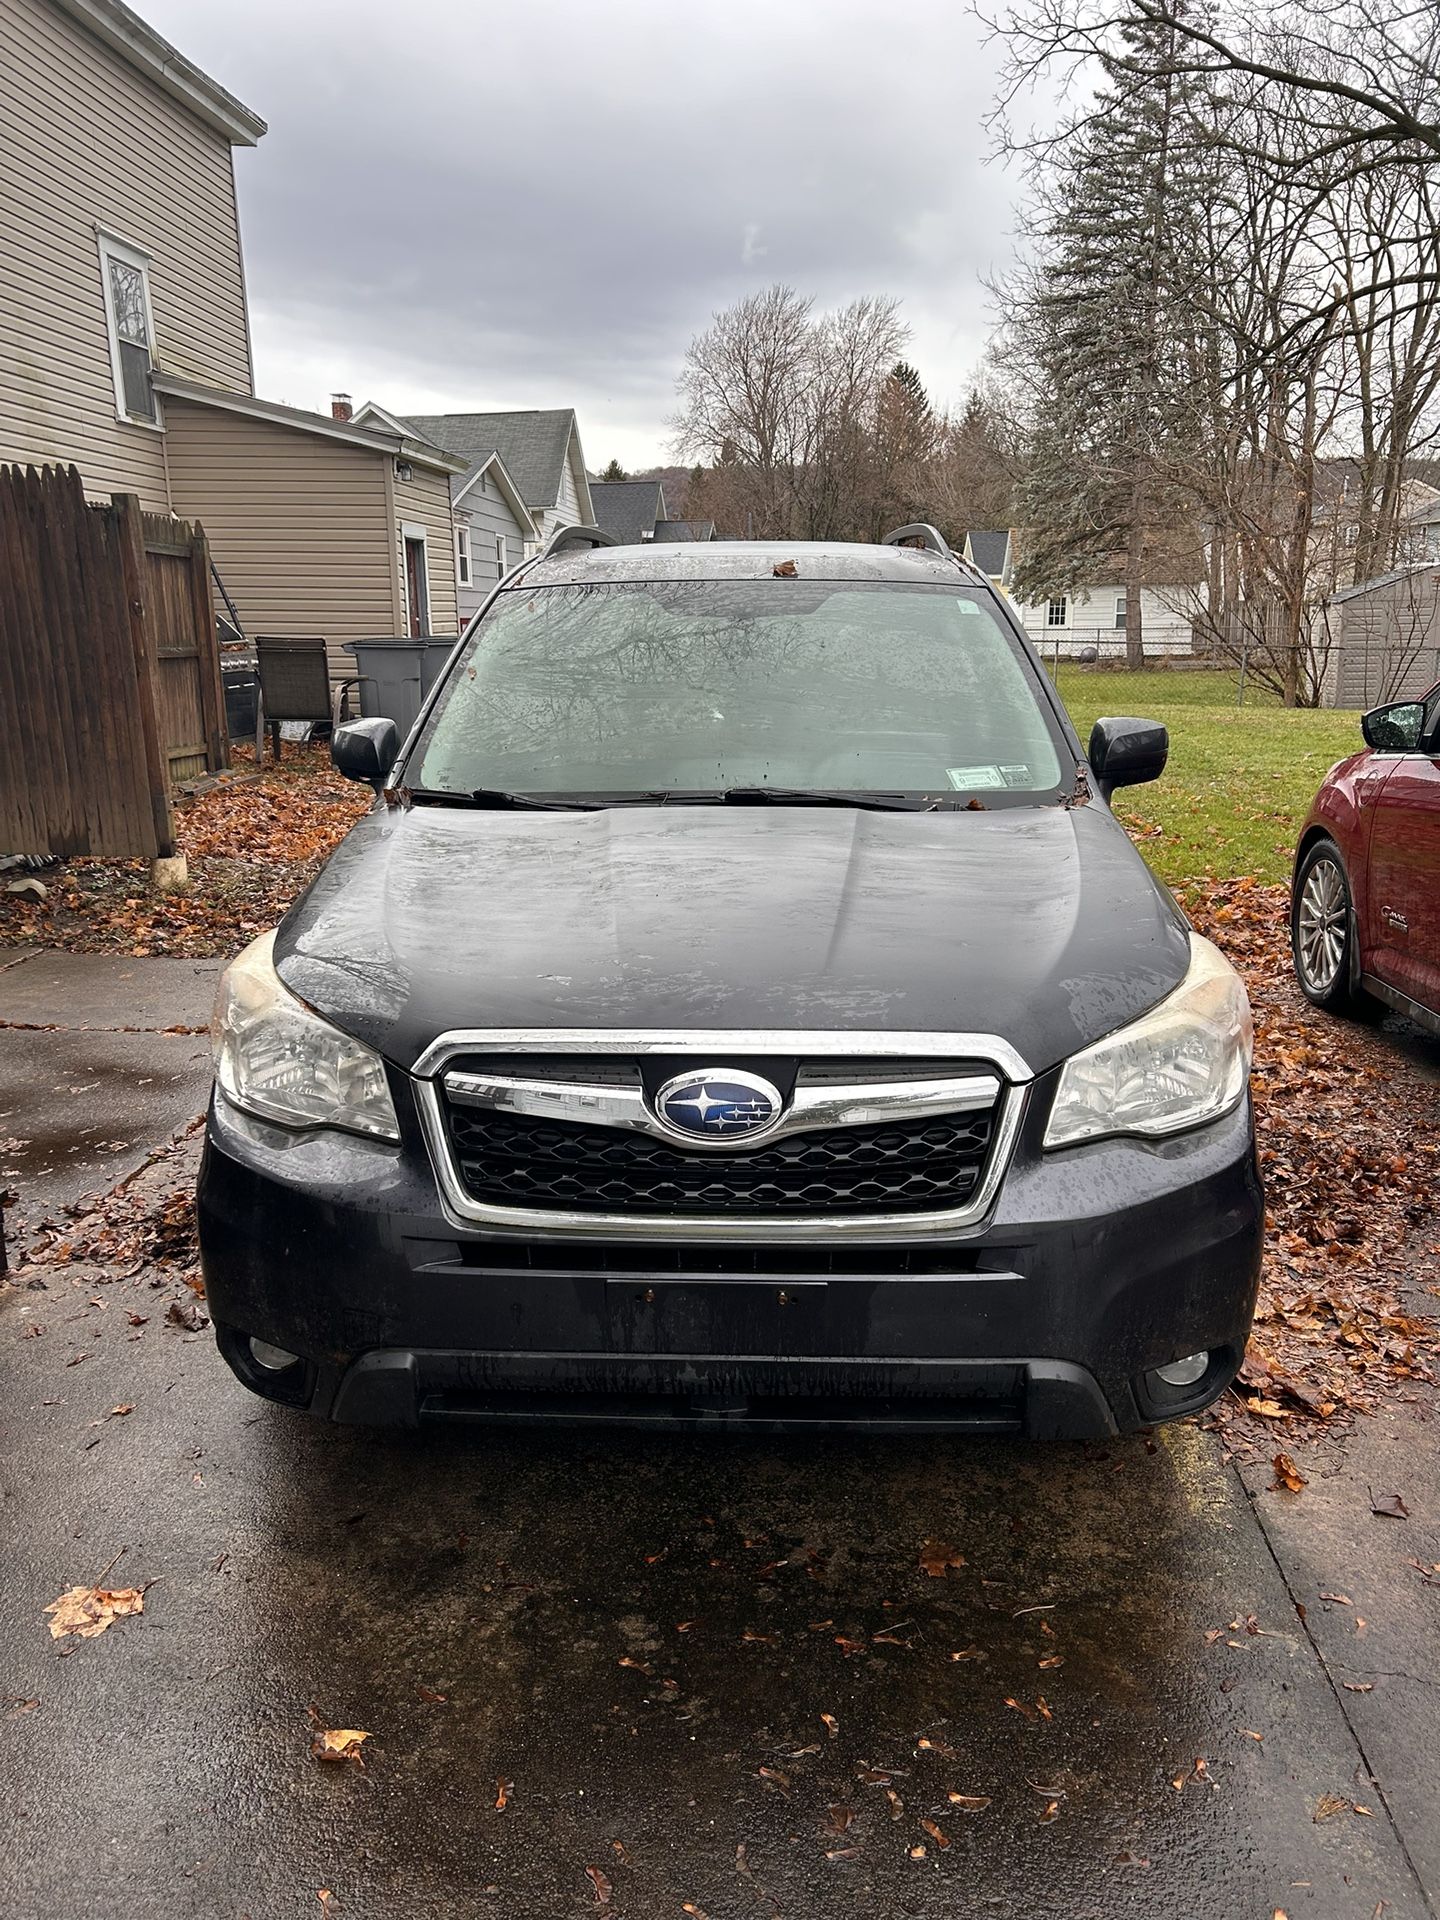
(1095, 1266)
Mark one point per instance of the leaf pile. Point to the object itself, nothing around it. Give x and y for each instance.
(252, 843)
(147, 1223)
(1348, 1151)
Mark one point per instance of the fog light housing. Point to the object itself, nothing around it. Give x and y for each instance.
(1184, 1373)
(272, 1359)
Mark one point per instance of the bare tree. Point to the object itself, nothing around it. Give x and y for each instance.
(784, 410)
(1365, 79)
(745, 399)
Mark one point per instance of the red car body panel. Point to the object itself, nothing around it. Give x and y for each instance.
(1382, 809)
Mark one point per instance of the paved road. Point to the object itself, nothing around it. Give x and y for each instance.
(642, 1636)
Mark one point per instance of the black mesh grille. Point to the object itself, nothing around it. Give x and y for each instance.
(918, 1165)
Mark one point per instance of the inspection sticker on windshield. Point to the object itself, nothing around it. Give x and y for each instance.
(966, 777)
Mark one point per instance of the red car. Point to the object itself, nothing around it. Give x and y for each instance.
(1365, 904)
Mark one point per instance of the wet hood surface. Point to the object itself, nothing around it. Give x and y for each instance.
(1040, 925)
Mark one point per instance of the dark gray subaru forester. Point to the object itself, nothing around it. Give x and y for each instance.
(740, 1007)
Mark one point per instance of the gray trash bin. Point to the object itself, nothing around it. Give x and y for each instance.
(395, 675)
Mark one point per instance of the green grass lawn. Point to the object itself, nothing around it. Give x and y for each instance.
(1240, 779)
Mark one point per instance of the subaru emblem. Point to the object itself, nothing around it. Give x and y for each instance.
(717, 1106)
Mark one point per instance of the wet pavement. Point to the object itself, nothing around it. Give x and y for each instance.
(643, 1636)
(83, 1097)
(733, 1677)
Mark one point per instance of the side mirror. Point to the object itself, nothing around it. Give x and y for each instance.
(1125, 751)
(1394, 729)
(365, 750)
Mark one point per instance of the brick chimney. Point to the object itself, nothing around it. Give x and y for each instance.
(340, 407)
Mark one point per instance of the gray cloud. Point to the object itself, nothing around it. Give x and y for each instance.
(483, 206)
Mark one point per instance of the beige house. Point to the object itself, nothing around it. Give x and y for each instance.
(125, 339)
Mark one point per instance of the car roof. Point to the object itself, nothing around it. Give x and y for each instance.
(748, 560)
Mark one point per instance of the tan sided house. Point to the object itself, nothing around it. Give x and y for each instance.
(125, 340)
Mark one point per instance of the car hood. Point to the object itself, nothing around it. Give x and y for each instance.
(1040, 925)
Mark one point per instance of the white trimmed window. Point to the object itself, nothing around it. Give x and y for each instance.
(1120, 612)
(462, 556)
(502, 555)
(125, 276)
(1057, 612)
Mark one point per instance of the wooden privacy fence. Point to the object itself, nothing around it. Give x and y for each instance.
(109, 669)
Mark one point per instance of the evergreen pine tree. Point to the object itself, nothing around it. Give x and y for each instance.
(1106, 330)
(614, 472)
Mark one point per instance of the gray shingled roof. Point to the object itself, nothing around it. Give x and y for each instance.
(684, 529)
(532, 445)
(627, 508)
(988, 550)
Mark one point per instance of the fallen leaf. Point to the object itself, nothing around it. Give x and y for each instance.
(1358, 1686)
(841, 1853)
(1250, 1734)
(937, 1558)
(600, 1884)
(1340, 1599)
(849, 1647)
(1053, 1660)
(503, 1790)
(775, 1778)
(1328, 1805)
(88, 1611)
(969, 1653)
(937, 1834)
(431, 1696)
(839, 1819)
(917, 1853)
(761, 1639)
(832, 1725)
(897, 1805)
(118, 1413)
(328, 1903)
(340, 1744)
(1389, 1507)
(969, 1802)
(785, 570)
(1050, 1811)
(15, 1706)
(696, 1913)
(1288, 1477)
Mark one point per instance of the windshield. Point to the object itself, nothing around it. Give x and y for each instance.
(698, 687)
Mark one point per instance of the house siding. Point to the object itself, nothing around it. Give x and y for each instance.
(567, 507)
(300, 525)
(424, 500)
(87, 142)
(1091, 622)
(489, 515)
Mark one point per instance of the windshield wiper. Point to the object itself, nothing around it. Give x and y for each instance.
(826, 797)
(498, 798)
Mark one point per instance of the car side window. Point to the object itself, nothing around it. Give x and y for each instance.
(1431, 735)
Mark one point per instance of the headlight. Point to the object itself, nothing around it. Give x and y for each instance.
(1184, 1062)
(277, 1059)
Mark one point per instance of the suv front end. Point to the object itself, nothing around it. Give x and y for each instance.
(743, 1009)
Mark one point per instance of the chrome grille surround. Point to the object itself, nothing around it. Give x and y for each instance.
(607, 1105)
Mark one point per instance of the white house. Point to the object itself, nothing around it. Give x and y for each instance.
(1097, 616)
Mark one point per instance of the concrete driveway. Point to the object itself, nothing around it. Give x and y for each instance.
(657, 1676)
(101, 1057)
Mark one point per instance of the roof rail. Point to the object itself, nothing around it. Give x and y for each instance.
(572, 538)
(920, 534)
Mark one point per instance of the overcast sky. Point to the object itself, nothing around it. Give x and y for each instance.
(471, 206)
